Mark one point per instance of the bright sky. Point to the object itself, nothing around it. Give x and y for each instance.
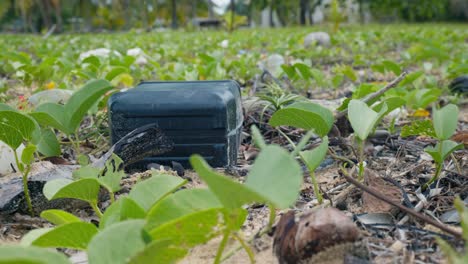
(222, 4)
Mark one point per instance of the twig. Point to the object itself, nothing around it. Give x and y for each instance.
(403, 208)
(372, 96)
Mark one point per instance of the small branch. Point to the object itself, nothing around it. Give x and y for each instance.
(372, 96)
(403, 208)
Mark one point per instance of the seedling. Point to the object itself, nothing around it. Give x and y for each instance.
(316, 119)
(16, 128)
(363, 120)
(67, 118)
(445, 123)
(266, 183)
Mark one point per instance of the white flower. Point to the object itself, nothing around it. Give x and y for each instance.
(135, 52)
(224, 44)
(141, 60)
(101, 52)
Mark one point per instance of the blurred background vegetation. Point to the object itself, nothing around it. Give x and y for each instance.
(36, 16)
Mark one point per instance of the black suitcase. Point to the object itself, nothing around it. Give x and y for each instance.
(202, 117)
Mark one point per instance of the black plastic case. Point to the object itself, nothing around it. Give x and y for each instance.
(203, 117)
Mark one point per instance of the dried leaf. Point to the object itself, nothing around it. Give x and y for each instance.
(375, 205)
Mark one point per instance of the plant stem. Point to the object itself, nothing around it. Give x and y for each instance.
(271, 219)
(24, 174)
(317, 192)
(439, 167)
(246, 247)
(96, 209)
(77, 146)
(26, 189)
(112, 197)
(221, 247)
(361, 159)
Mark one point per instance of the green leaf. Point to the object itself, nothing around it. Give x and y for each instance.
(118, 243)
(86, 172)
(51, 115)
(411, 77)
(84, 189)
(276, 176)
(418, 128)
(442, 150)
(257, 137)
(392, 66)
(34, 234)
(121, 210)
(11, 136)
(82, 100)
(27, 156)
(190, 230)
(159, 251)
(304, 115)
(392, 103)
(59, 217)
(48, 144)
(362, 118)
(16, 127)
(113, 174)
(12, 254)
(350, 73)
(230, 193)
(445, 121)
(115, 71)
(313, 158)
(150, 191)
(181, 203)
(74, 235)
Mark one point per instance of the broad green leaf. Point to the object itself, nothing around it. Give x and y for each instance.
(13, 254)
(392, 66)
(392, 103)
(181, 203)
(190, 230)
(276, 176)
(118, 243)
(159, 251)
(115, 71)
(84, 189)
(25, 125)
(411, 77)
(51, 115)
(305, 115)
(34, 234)
(121, 210)
(59, 217)
(48, 144)
(93, 60)
(150, 191)
(442, 150)
(445, 121)
(82, 100)
(230, 193)
(112, 174)
(313, 158)
(11, 136)
(27, 156)
(350, 73)
(87, 171)
(75, 235)
(362, 118)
